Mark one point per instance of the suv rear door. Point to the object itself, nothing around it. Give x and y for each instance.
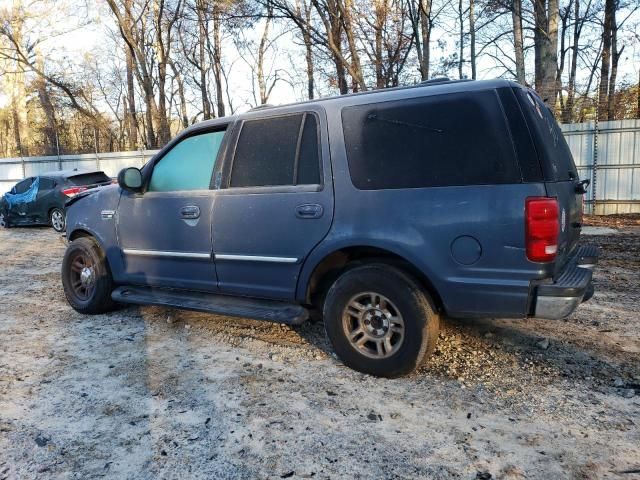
(275, 205)
(558, 168)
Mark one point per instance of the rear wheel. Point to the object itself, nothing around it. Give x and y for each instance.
(86, 277)
(57, 219)
(380, 321)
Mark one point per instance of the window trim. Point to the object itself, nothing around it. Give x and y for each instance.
(227, 171)
(147, 170)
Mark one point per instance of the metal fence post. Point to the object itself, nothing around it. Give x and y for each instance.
(594, 170)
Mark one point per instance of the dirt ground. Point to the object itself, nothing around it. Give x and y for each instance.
(157, 393)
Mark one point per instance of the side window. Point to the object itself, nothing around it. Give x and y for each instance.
(452, 139)
(277, 151)
(46, 183)
(24, 185)
(188, 165)
(308, 171)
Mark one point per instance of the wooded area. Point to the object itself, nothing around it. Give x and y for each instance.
(161, 65)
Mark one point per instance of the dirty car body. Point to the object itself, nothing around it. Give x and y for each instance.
(465, 189)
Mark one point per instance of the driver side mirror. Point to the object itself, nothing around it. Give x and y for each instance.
(130, 179)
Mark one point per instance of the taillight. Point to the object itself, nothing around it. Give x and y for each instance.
(73, 191)
(542, 228)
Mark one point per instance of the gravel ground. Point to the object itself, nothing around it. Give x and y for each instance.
(157, 393)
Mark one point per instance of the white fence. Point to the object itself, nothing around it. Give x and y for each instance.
(14, 169)
(607, 153)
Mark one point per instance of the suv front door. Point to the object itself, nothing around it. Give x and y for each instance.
(165, 233)
(275, 206)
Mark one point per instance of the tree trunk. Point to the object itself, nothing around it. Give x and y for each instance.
(546, 49)
(217, 60)
(425, 24)
(615, 56)
(567, 114)
(518, 41)
(16, 131)
(202, 38)
(162, 51)
(603, 90)
(130, 115)
(355, 67)
(262, 84)
(380, 14)
(305, 30)
(461, 34)
(472, 36)
(49, 115)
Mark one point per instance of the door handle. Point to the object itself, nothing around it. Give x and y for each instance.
(190, 212)
(309, 210)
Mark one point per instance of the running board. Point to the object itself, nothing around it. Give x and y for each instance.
(259, 309)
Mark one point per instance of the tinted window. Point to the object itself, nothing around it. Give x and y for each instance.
(89, 178)
(46, 183)
(266, 152)
(188, 165)
(24, 185)
(309, 159)
(553, 151)
(454, 139)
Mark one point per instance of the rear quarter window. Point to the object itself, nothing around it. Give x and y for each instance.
(553, 152)
(452, 139)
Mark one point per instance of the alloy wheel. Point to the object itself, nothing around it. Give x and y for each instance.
(373, 325)
(83, 276)
(57, 220)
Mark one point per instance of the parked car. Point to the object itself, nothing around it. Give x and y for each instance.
(49, 193)
(380, 210)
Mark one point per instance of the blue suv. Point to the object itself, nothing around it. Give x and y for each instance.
(380, 211)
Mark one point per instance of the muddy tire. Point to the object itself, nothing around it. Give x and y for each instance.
(86, 277)
(380, 320)
(57, 220)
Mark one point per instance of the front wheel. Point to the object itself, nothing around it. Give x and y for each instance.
(57, 219)
(4, 219)
(86, 277)
(380, 321)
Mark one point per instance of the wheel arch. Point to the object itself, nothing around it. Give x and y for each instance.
(87, 233)
(317, 278)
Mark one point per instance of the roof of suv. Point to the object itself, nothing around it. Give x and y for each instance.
(429, 87)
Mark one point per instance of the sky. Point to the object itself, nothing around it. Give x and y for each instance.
(84, 28)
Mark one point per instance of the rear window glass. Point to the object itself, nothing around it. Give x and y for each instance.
(553, 151)
(89, 178)
(453, 139)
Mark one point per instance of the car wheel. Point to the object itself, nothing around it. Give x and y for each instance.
(57, 220)
(4, 219)
(86, 277)
(380, 321)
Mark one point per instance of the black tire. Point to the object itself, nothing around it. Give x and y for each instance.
(94, 295)
(4, 219)
(57, 219)
(403, 299)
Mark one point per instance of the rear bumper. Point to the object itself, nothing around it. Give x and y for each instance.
(557, 298)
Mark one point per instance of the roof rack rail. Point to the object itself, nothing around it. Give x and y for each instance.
(435, 80)
(260, 107)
